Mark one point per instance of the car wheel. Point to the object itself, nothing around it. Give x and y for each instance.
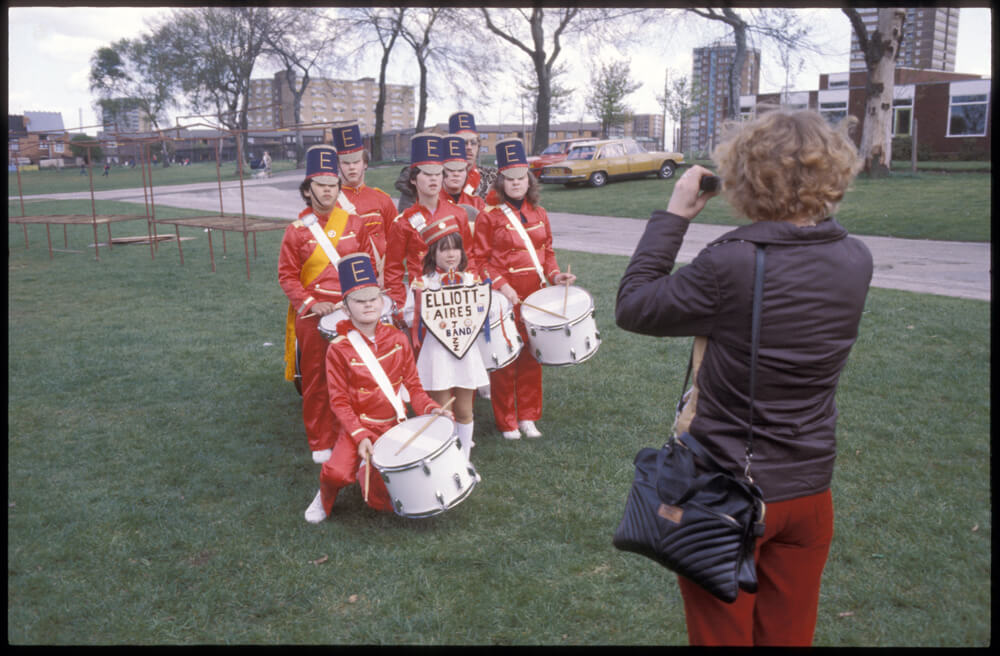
(667, 170)
(598, 179)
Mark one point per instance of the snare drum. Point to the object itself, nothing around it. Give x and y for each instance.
(504, 343)
(557, 336)
(431, 474)
(328, 322)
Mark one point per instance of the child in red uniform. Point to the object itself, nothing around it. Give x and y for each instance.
(373, 205)
(363, 408)
(308, 277)
(480, 180)
(406, 248)
(516, 270)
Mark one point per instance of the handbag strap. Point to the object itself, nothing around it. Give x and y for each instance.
(758, 302)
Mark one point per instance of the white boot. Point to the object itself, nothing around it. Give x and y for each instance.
(315, 513)
(529, 429)
(321, 456)
(465, 438)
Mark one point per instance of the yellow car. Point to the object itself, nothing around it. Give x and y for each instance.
(596, 162)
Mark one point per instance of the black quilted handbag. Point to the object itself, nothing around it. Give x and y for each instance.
(688, 513)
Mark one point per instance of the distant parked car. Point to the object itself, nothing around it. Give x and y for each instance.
(553, 153)
(596, 162)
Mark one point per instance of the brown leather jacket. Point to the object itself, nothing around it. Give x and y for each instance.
(815, 283)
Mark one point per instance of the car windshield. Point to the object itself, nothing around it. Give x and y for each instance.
(582, 152)
(555, 149)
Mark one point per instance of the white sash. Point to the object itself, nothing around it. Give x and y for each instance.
(527, 241)
(359, 344)
(469, 189)
(346, 204)
(312, 222)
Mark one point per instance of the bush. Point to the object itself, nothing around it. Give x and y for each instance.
(902, 149)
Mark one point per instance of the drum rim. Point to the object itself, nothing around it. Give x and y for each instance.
(568, 322)
(433, 455)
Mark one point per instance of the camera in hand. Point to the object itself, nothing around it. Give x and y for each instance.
(710, 183)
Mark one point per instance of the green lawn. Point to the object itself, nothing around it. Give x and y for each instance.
(952, 206)
(158, 471)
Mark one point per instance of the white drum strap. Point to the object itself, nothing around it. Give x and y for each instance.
(345, 204)
(312, 222)
(469, 189)
(526, 239)
(358, 342)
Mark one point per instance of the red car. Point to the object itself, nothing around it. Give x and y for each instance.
(554, 152)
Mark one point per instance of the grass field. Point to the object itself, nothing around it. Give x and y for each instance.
(158, 472)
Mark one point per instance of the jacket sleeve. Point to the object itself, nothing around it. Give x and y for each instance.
(289, 272)
(482, 248)
(338, 385)
(652, 300)
(395, 260)
(548, 256)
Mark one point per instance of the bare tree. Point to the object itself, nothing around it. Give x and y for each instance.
(608, 88)
(781, 26)
(416, 29)
(539, 33)
(302, 40)
(560, 96)
(382, 25)
(680, 101)
(880, 48)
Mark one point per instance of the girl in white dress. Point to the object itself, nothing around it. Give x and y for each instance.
(443, 375)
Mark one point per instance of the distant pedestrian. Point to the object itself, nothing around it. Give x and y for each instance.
(83, 169)
(107, 169)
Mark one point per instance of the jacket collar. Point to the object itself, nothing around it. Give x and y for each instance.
(785, 233)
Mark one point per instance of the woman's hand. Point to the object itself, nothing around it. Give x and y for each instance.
(686, 201)
(509, 293)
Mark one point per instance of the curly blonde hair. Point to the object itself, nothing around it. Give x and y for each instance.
(787, 165)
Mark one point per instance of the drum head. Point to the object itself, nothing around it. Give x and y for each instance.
(328, 322)
(434, 438)
(577, 303)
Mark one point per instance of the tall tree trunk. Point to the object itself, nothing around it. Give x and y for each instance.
(543, 105)
(739, 57)
(876, 135)
(422, 111)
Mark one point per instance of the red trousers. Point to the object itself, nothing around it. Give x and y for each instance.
(790, 560)
(321, 424)
(516, 390)
(342, 470)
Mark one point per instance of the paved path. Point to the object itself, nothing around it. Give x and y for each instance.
(959, 269)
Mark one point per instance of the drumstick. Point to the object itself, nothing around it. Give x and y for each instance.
(540, 309)
(569, 267)
(368, 473)
(423, 428)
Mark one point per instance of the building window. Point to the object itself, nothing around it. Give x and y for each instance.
(902, 113)
(833, 112)
(967, 115)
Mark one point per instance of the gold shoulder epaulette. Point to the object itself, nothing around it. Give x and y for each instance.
(297, 223)
(490, 208)
(418, 284)
(338, 339)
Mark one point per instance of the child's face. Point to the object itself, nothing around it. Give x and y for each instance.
(323, 196)
(448, 259)
(428, 184)
(364, 306)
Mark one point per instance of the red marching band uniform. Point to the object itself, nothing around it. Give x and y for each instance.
(406, 247)
(307, 276)
(373, 205)
(499, 254)
(361, 407)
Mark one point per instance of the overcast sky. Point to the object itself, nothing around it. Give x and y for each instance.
(50, 50)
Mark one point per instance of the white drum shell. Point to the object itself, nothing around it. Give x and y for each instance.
(561, 342)
(328, 322)
(496, 353)
(431, 474)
